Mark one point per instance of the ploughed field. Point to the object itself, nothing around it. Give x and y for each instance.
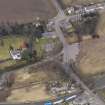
(70, 2)
(25, 10)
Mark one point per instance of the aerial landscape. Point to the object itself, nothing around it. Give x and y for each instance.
(52, 52)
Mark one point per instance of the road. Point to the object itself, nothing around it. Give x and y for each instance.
(95, 99)
(66, 47)
(68, 52)
(58, 7)
(67, 56)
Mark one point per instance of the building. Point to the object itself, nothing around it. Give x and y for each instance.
(16, 54)
(69, 10)
(66, 27)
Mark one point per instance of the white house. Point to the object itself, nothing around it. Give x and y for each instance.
(16, 54)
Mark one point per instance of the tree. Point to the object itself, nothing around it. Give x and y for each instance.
(8, 28)
(1, 42)
(3, 30)
(11, 47)
(26, 55)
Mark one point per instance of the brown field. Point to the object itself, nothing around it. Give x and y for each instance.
(25, 10)
(32, 93)
(22, 90)
(92, 59)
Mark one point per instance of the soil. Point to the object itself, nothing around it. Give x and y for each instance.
(25, 10)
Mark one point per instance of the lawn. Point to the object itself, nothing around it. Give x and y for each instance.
(41, 75)
(15, 41)
(39, 45)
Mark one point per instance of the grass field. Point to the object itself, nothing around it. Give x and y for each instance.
(42, 74)
(16, 42)
(73, 2)
(92, 59)
(42, 42)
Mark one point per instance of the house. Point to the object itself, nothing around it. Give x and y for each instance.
(16, 54)
(69, 10)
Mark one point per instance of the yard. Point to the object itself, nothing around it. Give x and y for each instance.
(16, 42)
(25, 10)
(91, 58)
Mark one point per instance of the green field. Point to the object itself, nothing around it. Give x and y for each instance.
(16, 42)
(40, 45)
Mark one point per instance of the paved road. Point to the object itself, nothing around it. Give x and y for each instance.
(95, 99)
(49, 58)
(70, 51)
(66, 46)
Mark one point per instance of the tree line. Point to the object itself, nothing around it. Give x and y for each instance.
(22, 29)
